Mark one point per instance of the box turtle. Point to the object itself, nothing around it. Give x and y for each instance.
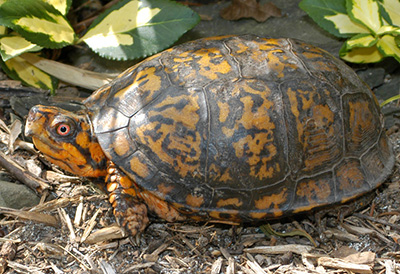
(226, 129)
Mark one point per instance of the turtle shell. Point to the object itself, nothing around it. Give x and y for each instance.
(243, 128)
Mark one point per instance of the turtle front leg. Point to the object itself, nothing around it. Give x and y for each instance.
(129, 210)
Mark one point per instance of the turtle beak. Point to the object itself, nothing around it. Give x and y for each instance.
(31, 126)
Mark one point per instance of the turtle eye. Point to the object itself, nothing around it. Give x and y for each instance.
(63, 129)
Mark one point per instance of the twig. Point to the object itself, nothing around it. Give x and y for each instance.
(340, 264)
(32, 216)
(280, 249)
(22, 175)
(362, 216)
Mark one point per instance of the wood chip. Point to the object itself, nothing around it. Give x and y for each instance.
(190, 245)
(60, 178)
(216, 266)
(155, 254)
(225, 252)
(65, 217)
(35, 183)
(341, 235)
(340, 264)
(105, 234)
(51, 250)
(78, 213)
(7, 253)
(106, 267)
(254, 266)
(20, 268)
(366, 257)
(91, 224)
(138, 266)
(31, 216)
(390, 267)
(231, 266)
(280, 249)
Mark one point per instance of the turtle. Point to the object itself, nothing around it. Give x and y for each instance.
(231, 129)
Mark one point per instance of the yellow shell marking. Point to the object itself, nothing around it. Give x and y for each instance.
(208, 68)
(187, 144)
(194, 201)
(311, 189)
(121, 144)
(229, 202)
(146, 81)
(261, 142)
(139, 167)
(275, 199)
(350, 177)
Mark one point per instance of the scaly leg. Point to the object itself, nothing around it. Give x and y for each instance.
(129, 209)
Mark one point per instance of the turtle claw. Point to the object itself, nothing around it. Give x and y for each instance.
(133, 219)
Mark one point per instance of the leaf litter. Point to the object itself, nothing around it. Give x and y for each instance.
(73, 230)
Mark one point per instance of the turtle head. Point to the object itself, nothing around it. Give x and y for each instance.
(66, 139)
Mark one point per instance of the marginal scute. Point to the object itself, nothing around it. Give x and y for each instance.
(351, 178)
(242, 128)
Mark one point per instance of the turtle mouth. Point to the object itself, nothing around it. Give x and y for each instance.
(33, 124)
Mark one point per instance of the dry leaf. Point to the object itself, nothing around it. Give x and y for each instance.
(250, 9)
(10, 134)
(15, 131)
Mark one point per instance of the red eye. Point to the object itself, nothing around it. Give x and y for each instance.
(63, 129)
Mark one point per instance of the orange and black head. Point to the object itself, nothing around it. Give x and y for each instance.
(66, 139)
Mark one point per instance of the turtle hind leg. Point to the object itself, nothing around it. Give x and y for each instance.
(129, 209)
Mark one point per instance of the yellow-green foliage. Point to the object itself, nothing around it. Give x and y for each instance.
(130, 29)
(371, 26)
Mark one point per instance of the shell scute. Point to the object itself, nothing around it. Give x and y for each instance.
(240, 128)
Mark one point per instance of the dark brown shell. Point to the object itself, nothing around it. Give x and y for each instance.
(243, 128)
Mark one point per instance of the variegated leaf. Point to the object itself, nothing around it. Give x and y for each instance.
(137, 28)
(389, 30)
(365, 12)
(392, 8)
(61, 5)
(38, 22)
(362, 55)
(344, 25)
(3, 30)
(320, 11)
(360, 41)
(14, 45)
(388, 47)
(19, 69)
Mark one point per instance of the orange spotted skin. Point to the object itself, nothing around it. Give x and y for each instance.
(77, 152)
(239, 129)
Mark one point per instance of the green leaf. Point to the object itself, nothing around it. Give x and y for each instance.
(362, 55)
(38, 22)
(19, 69)
(61, 5)
(392, 9)
(397, 40)
(365, 12)
(14, 45)
(388, 47)
(138, 28)
(319, 10)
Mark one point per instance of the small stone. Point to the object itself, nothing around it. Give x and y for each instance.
(17, 196)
